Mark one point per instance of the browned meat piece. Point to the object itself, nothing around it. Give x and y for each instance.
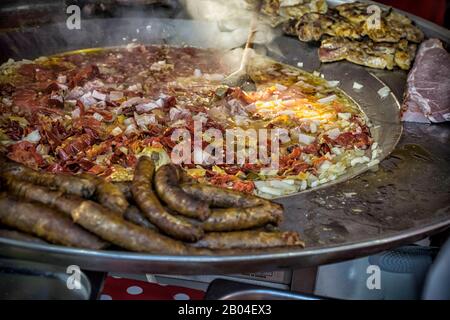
(427, 97)
(68, 184)
(392, 28)
(249, 240)
(234, 219)
(152, 208)
(312, 26)
(167, 185)
(367, 53)
(279, 11)
(45, 223)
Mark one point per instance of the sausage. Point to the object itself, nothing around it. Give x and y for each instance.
(221, 197)
(30, 192)
(108, 194)
(152, 208)
(167, 185)
(16, 235)
(248, 240)
(133, 214)
(125, 234)
(65, 183)
(125, 188)
(45, 223)
(233, 219)
(99, 220)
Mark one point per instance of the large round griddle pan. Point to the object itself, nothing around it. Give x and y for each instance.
(405, 200)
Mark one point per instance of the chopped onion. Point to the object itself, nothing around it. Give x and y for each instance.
(75, 93)
(98, 116)
(334, 133)
(33, 137)
(300, 64)
(269, 190)
(135, 87)
(132, 101)
(88, 100)
(313, 127)
(160, 102)
(324, 166)
(327, 99)
(283, 186)
(357, 86)
(333, 84)
(177, 114)
(158, 66)
(131, 128)
(290, 3)
(268, 172)
(197, 73)
(128, 121)
(146, 107)
(336, 150)
(280, 87)
(374, 145)
(201, 116)
(373, 163)
(214, 77)
(116, 131)
(241, 120)
(115, 95)
(76, 113)
(384, 92)
(359, 160)
(287, 113)
(345, 116)
(98, 95)
(144, 120)
(61, 79)
(305, 139)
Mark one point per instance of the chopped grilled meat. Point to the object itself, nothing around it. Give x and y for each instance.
(279, 11)
(392, 26)
(312, 26)
(367, 53)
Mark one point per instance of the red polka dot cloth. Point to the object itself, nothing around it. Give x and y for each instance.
(126, 289)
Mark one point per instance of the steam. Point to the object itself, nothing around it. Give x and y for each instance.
(230, 26)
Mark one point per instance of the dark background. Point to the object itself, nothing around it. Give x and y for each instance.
(437, 11)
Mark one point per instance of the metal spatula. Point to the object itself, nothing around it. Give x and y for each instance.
(241, 78)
